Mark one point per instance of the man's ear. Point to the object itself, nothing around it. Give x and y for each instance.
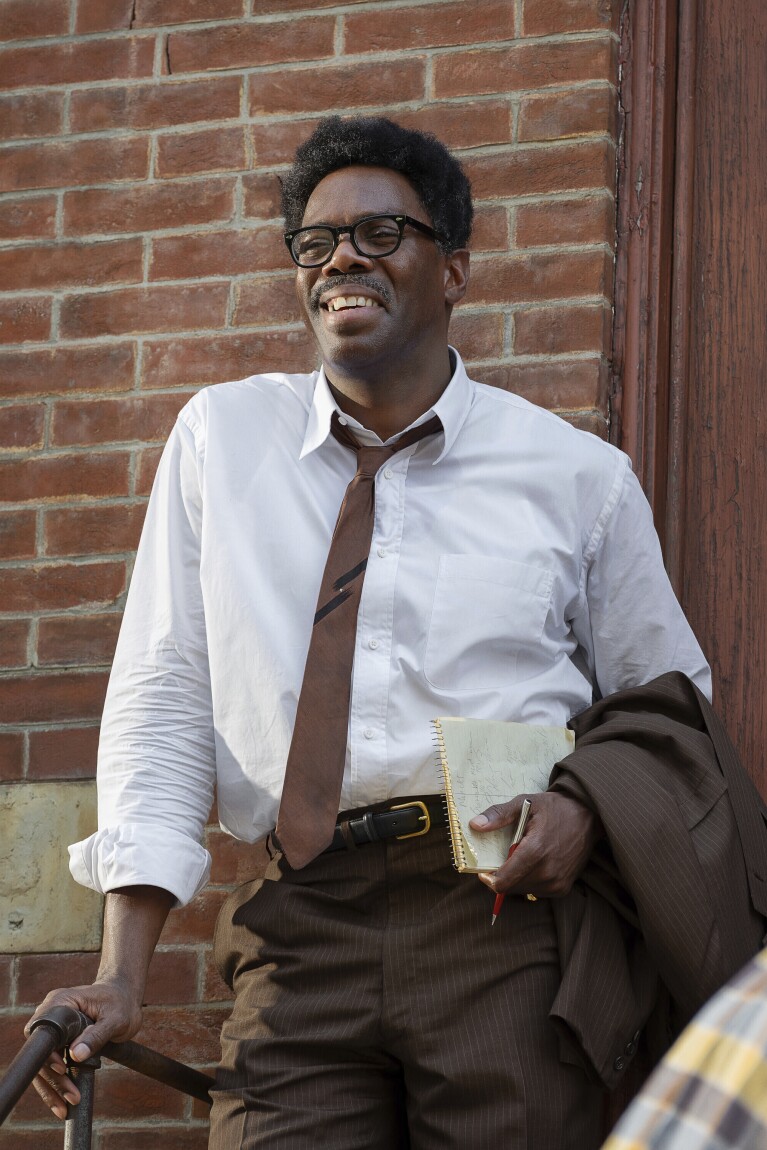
(456, 276)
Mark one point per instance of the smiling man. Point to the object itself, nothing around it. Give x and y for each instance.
(330, 561)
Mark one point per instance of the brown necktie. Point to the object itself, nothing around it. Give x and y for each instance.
(315, 766)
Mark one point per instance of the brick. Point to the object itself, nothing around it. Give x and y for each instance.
(261, 195)
(144, 309)
(65, 369)
(77, 640)
(61, 165)
(21, 426)
(269, 299)
(558, 385)
(538, 169)
(156, 105)
(141, 418)
(172, 976)
(68, 753)
(27, 217)
(20, 20)
(151, 13)
(64, 477)
(438, 25)
(574, 112)
(120, 1094)
(251, 45)
(47, 585)
(558, 330)
(78, 62)
(338, 86)
(5, 977)
(98, 530)
(71, 264)
(586, 221)
(148, 207)
(265, 7)
(592, 421)
(477, 335)
(211, 359)
(14, 634)
(546, 17)
(102, 15)
(17, 534)
(146, 466)
(491, 230)
(25, 318)
(11, 757)
(275, 141)
(520, 66)
(195, 921)
(468, 125)
(193, 1035)
(218, 253)
(28, 114)
(541, 276)
(234, 861)
(39, 1138)
(188, 1138)
(215, 150)
(53, 696)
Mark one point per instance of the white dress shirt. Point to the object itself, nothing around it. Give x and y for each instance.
(514, 573)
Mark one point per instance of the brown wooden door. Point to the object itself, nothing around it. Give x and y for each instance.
(691, 325)
(724, 513)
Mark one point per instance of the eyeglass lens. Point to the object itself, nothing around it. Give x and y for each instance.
(377, 236)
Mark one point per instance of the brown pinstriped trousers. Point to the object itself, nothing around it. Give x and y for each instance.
(377, 1009)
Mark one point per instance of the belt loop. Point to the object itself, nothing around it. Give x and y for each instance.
(345, 830)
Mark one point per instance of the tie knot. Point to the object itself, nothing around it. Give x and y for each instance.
(369, 459)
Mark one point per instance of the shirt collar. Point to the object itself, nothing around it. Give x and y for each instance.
(452, 408)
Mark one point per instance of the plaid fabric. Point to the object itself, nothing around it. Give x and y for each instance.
(710, 1091)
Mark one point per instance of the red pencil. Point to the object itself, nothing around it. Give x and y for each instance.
(523, 815)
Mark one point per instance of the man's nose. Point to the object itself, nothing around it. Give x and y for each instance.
(346, 259)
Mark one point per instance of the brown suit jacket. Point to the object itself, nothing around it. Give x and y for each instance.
(674, 900)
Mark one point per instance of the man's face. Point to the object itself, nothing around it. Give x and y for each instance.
(406, 296)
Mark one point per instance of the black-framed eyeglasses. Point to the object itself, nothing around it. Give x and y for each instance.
(373, 236)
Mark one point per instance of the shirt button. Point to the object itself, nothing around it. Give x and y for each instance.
(373, 644)
(342, 421)
(388, 473)
(619, 1063)
(380, 552)
(368, 732)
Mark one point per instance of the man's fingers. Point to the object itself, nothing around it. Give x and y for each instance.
(499, 815)
(56, 1091)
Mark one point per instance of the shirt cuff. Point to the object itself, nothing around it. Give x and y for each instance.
(140, 854)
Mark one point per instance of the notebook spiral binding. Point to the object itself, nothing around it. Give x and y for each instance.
(443, 774)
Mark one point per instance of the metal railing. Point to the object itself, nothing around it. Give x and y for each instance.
(57, 1030)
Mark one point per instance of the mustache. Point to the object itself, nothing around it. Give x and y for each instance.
(352, 281)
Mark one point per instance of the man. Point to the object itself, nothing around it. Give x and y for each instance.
(511, 571)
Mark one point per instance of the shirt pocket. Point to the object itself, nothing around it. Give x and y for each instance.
(487, 617)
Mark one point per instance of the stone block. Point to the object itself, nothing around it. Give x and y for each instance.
(42, 908)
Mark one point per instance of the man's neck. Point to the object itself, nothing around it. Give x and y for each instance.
(387, 406)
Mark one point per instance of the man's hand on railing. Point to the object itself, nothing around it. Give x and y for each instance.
(116, 1017)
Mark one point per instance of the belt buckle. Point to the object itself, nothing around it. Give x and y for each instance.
(423, 818)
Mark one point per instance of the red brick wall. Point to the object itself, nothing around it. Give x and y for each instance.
(140, 258)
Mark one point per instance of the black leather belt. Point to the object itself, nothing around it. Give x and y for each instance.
(399, 820)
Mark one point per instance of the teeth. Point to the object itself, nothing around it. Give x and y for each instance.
(350, 301)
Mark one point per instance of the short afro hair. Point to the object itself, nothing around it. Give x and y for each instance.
(439, 180)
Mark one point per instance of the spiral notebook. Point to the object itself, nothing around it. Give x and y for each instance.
(483, 762)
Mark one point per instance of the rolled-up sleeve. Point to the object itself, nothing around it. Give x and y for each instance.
(156, 768)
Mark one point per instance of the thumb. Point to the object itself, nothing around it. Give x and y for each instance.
(497, 816)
